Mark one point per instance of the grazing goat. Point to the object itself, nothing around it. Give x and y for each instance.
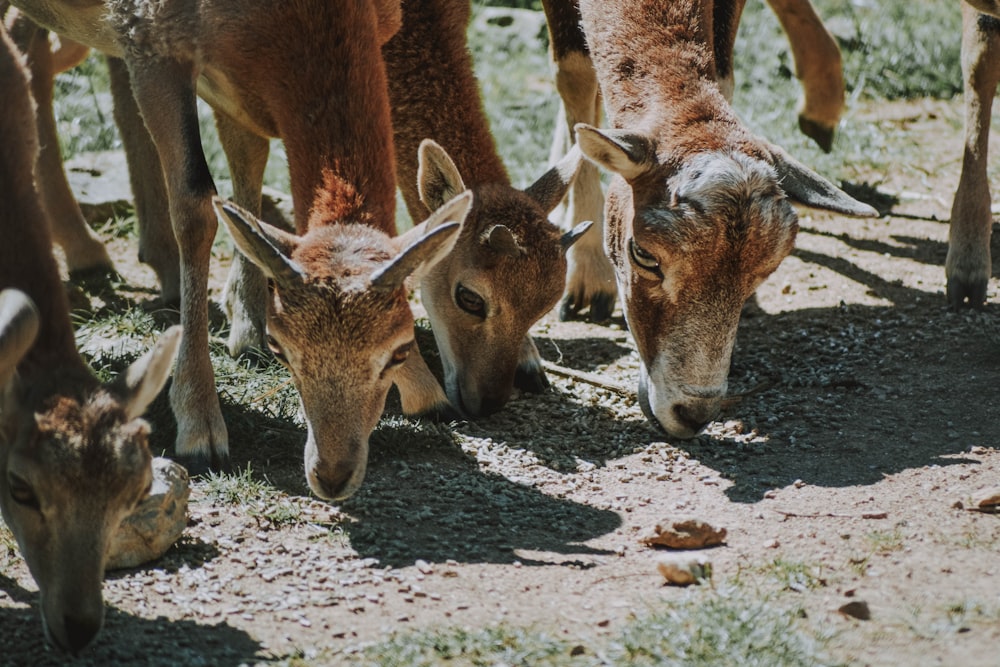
(969, 266)
(698, 212)
(334, 298)
(509, 264)
(74, 457)
(590, 281)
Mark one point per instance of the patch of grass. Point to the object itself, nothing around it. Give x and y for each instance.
(891, 50)
(255, 497)
(460, 647)
(725, 627)
(730, 627)
(793, 575)
(885, 541)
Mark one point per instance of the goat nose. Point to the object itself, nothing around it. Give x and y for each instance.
(694, 415)
(333, 482)
(490, 405)
(80, 631)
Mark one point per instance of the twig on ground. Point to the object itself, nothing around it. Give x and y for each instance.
(587, 378)
(836, 515)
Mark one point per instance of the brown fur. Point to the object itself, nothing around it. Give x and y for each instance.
(74, 458)
(590, 279)
(307, 72)
(434, 94)
(695, 215)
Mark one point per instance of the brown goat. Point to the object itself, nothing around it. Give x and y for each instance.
(969, 265)
(590, 280)
(508, 266)
(315, 79)
(74, 458)
(698, 212)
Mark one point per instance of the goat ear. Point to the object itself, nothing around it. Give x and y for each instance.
(573, 235)
(266, 246)
(623, 152)
(808, 188)
(551, 187)
(18, 329)
(438, 179)
(425, 245)
(144, 378)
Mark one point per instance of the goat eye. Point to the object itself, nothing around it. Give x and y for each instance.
(469, 301)
(22, 494)
(275, 349)
(642, 258)
(401, 354)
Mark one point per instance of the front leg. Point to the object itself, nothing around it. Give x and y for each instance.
(157, 245)
(420, 392)
(968, 266)
(590, 277)
(817, 65)
(85, 253)
(530, 376)
(245, 294)
(164, 90)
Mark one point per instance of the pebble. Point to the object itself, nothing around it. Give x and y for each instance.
(684, 569)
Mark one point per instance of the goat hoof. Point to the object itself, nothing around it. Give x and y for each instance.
(819, 132)
(197, 465)
(531, 380)
(966, 293)
(568, 309)
(201, 465)
(601, 307)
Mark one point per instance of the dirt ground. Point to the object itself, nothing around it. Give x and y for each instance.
(869, 421)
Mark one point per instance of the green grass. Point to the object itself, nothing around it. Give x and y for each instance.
(729, 626)
(255, 497)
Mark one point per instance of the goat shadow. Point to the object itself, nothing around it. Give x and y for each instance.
(125, 638)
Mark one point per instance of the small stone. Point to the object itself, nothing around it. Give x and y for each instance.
(684, 569)
(685, 534)
(856, 609)
(157, 522)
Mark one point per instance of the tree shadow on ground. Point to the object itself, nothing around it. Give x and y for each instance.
(125, 639)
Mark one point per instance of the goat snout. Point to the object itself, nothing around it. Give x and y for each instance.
(695, 414)
(679, 414)
(79, 632)
(335, 482)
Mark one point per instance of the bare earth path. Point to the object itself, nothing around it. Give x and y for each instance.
(871, 418)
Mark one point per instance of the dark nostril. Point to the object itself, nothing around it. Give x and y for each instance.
(80, 631)
(692, 418)
(335, 483)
